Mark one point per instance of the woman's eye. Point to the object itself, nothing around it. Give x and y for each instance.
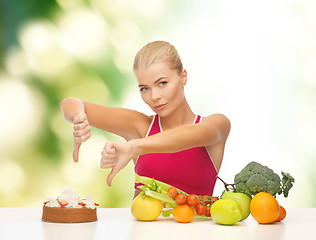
(143, 89)
(162, 83)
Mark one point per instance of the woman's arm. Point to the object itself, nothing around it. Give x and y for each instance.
(212, 130)
(123, 122)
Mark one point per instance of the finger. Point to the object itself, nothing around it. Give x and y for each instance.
(82, 125)
(107, 161)
(83, 138)
(79, 118)
(106, 157)
(109, 147)
(81, 132)
(75, 154)
(111, 175)
(106, 165)
(107, 151)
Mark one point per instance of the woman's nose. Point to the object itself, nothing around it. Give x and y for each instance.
(155, 95)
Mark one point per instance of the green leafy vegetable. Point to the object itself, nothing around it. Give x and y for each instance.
(151, 183)
(154, 184)
(287, 183)
(157, 189)
(158, 195)
(255, 178)
(167, 212)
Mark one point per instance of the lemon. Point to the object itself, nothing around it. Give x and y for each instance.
(146, 209)
(226, 211)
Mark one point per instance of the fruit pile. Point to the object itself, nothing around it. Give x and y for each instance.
(158, 198)
(265, 208)
(234, 207)
(189, 204)
(148, 205)
(181, 205)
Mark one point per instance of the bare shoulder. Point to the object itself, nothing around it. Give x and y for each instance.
(139, 121)
(219, 121)
(217, 117)
(143, 124)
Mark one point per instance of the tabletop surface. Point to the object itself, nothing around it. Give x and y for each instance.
(118, 223)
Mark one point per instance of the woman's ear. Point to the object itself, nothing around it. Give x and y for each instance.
(184, 77)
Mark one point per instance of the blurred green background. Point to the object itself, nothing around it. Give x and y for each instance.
(253, 61)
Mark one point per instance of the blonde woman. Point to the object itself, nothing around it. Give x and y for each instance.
(174, 145)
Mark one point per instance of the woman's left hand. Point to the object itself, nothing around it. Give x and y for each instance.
(115, 155)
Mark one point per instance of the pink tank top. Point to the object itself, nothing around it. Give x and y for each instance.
(191, 170)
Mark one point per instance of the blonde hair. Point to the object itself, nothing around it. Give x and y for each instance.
(155, 52)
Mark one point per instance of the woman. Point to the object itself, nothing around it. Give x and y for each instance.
(175, 146)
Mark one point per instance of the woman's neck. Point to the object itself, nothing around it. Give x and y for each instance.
(181, 116)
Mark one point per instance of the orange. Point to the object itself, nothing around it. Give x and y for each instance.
(183, 213)
(282, 214)
(264, 208)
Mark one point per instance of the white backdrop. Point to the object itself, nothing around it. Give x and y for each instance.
(254, 62)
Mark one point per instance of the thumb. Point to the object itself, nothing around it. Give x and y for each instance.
(75, 154)
(111, 175)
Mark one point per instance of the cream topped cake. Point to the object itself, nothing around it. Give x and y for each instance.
(68, 207)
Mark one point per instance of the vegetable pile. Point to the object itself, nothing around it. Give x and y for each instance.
(254, 180)
(173, 197)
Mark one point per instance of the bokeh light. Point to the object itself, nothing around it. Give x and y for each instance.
(253, 61)
(21, 108)
(86, 33)
(15, 178)
(43, 48)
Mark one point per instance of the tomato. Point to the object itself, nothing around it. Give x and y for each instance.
(146, 209)
(181, 199)
(192, 200)
(200, 209)
(172, 192)
(282, 214)
(206, 199)
(207, 211)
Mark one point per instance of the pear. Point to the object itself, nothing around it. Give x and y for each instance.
(242, 199)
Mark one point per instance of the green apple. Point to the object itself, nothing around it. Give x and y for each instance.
(226, 211)
(242, 199)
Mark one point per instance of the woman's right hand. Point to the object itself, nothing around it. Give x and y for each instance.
(81, 133)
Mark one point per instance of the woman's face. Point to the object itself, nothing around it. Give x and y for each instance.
(161, 88)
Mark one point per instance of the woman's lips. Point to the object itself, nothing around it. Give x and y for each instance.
(160, 106)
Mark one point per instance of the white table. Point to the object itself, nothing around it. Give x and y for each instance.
(118, 223)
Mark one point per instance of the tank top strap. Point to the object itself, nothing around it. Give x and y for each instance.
(154, 126)
(198, 119)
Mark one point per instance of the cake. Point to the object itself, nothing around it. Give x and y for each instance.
(68, 207)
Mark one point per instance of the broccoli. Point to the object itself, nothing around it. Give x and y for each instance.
(256, 178)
